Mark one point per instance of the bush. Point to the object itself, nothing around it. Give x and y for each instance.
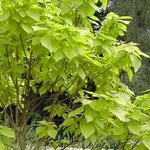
(51, 57)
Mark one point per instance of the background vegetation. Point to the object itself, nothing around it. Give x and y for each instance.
(138, 32)
(61, 80)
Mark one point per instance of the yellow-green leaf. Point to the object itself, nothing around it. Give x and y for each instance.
(104, 3)
(49, 43)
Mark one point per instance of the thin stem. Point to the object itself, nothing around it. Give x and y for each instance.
(17, 103)
(27, 92)
(15, 83)
(125, 143)
(8, 116)
(23, 46)
(77, 19)
(135, 144)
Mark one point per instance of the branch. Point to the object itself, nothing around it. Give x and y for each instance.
(23, 46)
(15, 83)
(27, 92)
(107, 69)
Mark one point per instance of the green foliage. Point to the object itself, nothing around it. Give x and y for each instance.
(6, 136)
(46, 129)
(54, 43)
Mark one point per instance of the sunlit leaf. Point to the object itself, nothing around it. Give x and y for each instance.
(27, 28)
(135, 129)
(135, 62)
(146, 141)
(34, 15)
(76, 111)
(41, 131)
(52, 132)
(49, 43)
(87, 130)
(8, 132)
(4, 16)
(104, 3)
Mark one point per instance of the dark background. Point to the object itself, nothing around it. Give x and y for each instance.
(138, 32)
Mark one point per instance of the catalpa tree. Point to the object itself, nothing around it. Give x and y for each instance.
(49, 52)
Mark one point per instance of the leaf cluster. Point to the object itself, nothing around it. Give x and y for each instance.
(53, 43)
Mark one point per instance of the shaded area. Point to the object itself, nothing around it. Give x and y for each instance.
(138, 32)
